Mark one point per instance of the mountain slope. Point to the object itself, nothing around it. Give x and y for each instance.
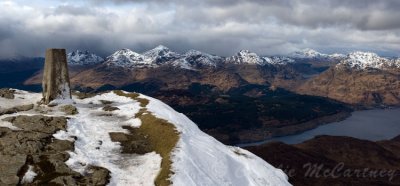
(342, 157)
(130, 139)
(360, 79)
(83, 58)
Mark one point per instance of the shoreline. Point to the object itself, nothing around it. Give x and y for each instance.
(261, 136)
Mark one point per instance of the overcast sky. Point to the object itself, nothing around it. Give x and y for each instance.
(222, 27)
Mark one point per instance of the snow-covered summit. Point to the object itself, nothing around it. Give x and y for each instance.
(83, 58)
(246, 57)
(308, 53)
(279, 60)
(160, 55)
(313, 54)
(363, 60)
(196, 158)
(128, 59)
(194, 59)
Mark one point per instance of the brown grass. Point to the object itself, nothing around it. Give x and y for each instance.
(161, 135)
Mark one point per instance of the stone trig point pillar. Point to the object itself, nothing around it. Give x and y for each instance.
(55, 83)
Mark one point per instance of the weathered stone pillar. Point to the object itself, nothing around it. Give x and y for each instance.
(55, 83)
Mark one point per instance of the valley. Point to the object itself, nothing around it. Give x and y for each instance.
(243, 98)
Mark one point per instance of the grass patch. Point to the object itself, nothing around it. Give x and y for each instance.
(161, 136)
(143, 102)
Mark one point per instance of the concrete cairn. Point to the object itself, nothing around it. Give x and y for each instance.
(55, 82)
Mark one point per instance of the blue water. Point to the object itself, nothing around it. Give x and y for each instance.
(372, 125)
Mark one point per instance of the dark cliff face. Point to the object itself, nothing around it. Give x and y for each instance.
(346, 161)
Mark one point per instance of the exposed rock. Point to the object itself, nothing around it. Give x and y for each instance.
(69, 109)
(17, 109)
(110, 108)
(35, 146)
(39, 123)
(9, 167)
(56, 78)
(7, 93)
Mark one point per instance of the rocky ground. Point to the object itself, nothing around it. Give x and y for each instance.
(30, 155)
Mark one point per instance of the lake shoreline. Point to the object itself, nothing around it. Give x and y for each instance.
(361, 124)
(261, 135)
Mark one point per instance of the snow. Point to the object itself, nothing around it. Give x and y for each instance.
(161, 56)
(246, 57)
(128, 59)
(194, 59)
(94, 146)
(363, 60)
(83, 58)
(65, 92)
(198, 159)
(29, 176)
(279, 60)
(202, 160)
(21, 98)
(308, 53)
(313, 54)
(9, 125)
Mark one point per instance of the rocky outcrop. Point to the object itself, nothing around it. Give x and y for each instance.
(16, 109)
(55, 77)
(7, 93)
(33, 149)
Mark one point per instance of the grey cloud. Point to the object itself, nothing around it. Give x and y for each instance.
(220, 27)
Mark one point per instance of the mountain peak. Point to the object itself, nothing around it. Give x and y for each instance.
(308, 53)
(85, 57)
(362, 60)
(161, 47)
(246, 57)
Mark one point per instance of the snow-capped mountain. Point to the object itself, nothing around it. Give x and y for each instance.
(90, 145)
(83, 58)
(246, 57)
(279, 60)
(129, 59)
(363, 60)
(308, 53)
(313, 54)
(160, 55)
(194, 59)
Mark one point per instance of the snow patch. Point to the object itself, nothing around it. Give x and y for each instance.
(94, 146)
(29, 176)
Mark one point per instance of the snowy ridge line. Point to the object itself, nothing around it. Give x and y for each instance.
(197, 158)
(363, 60)
(193, 59)
(210, 161)
(83, 58)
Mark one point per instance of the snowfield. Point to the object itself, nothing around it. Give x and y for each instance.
(197, 159)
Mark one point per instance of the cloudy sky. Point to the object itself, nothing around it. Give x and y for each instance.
(222, 27)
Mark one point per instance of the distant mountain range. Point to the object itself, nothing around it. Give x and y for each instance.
(201, 85)
(192, 59)
(358, 78)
